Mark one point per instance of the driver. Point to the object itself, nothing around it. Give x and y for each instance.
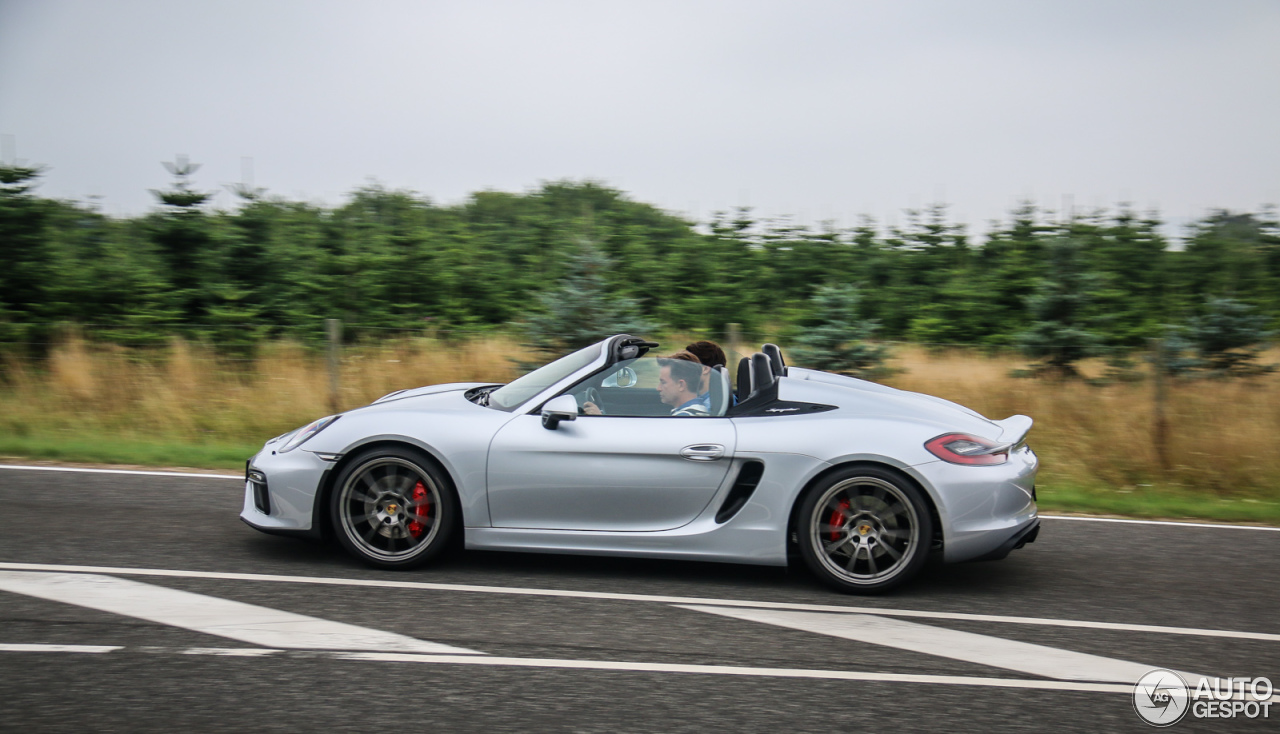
(679, 379)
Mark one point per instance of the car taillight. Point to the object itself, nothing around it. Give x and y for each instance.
(963, 448)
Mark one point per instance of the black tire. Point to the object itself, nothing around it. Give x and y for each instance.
(392, 507)
(864, 529)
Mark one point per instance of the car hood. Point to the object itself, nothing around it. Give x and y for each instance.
(428, 390)
(869, 398)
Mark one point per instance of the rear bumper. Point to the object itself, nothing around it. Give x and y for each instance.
(1019, 539)
(983, 508)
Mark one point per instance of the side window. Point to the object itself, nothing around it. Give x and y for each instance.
(654, 387)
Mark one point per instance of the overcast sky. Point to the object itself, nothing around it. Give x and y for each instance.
(821, 110)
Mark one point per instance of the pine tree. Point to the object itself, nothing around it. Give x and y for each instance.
(182, 234)
(24, 242)
(1226, 340)
(838, 339)
(582, 310)
(1059, 334)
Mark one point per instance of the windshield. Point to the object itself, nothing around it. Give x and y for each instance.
(513, 395)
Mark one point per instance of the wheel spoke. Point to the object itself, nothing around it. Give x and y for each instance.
(834, 546)
(853, 558)
(897, 556)
(871, 561)
(358, 496)
(403, 483)
(895, 509)
(368, 517)
(836, 509)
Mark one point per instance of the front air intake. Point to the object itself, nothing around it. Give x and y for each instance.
(261, 497)
(748, 477)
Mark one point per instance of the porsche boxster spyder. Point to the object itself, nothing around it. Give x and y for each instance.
(592, 454)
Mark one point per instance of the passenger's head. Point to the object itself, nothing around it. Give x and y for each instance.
(679, 378)
(708, 353)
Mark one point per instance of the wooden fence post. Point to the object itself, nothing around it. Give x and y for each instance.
(333, 331)
(1160, 427)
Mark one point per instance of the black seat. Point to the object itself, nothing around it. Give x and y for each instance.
(762, 377)
(716, 385)
(776, 363)
(744, 379)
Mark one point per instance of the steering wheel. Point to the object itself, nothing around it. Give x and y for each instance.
(592, 395)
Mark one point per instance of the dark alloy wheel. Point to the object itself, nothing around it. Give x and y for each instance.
(864, 529)
(392, 508)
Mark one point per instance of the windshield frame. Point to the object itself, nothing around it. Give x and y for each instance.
(598, 360)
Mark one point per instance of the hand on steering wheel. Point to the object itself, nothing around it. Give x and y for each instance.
(591, 402)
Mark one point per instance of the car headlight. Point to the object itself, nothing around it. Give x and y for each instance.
(302, 435)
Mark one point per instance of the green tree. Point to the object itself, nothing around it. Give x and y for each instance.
(1060, 334)
(582, 309)
(838, 339)
(182, 234)
(25, 253)
(1226, 340)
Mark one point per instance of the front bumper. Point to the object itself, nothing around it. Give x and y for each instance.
(281, 491)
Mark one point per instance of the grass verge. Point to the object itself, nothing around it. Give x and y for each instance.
(1156, 503)
(137, 451)
(1172, 503)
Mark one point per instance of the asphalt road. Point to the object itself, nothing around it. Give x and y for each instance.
(582, 643)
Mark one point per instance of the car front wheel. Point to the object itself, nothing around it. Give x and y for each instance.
(864, 529)
(392, 508)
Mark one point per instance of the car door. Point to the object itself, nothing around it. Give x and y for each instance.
(603, 472)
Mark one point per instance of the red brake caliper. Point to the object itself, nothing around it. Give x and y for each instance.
(421, 507)
(837, 519)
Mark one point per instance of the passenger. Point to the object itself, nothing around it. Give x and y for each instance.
(709, 354)
(679, 378)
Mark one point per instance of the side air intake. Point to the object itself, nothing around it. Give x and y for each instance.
(748, 477)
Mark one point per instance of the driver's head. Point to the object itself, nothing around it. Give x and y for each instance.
(679, 377)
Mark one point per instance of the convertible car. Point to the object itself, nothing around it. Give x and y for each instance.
(592, 454)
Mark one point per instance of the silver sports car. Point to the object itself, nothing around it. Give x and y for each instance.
(614, 451)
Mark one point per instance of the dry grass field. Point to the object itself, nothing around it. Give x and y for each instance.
(1221, 446)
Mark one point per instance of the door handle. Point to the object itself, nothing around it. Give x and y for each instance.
(703, 452)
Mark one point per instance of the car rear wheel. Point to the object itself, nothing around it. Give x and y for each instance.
(864, 529)
(392, 508)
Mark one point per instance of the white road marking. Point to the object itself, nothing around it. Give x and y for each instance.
(618, 666)
(516, 591)
(1174, 523)
(996, 652)
(122, 471)
(23, 467)
(211, 615)
(1050, 685)
(92, 649)
(232, 652)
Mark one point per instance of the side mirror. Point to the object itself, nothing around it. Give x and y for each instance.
(562, 408)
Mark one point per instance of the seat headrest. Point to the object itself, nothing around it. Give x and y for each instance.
(744, 379)
(762, 377)
(716, 385)
(776, 363)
